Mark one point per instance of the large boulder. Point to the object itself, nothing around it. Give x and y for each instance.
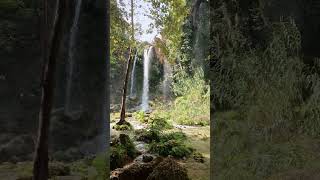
(135, 171)
(157, 169)
(122, 152)
(169, 169)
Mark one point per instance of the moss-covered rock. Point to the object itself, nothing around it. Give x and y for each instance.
(198, 157)
(123, 127)
(122, 152)
(135, 171)
(169, 169)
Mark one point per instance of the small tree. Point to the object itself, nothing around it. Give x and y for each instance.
(125, 84)
(40, 166)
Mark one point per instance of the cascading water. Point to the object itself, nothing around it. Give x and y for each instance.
(146, 68)
(72, 43)
(167, 74)
(133, 78)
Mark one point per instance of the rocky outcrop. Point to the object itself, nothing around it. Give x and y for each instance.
(169, 169)
(157, 169)
(135, 171)
(20, 74)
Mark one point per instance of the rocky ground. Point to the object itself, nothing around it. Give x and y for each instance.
(147, 165)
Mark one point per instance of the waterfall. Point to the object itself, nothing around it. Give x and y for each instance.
(167, 74)
(72, 43)
(146, 67)
(133, 78)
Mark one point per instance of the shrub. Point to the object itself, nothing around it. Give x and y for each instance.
(147, 135)
(140, 116)
(172, 144)
(160, 123)
(192, 105)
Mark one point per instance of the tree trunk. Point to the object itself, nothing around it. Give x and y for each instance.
(125, 84)
(124, 92)
(40, 166)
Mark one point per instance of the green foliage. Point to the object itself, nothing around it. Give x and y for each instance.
(172, 144)
(100, 164)
(156, 121)
(171, 12)
(160, 123)
(140, 116)
(191, 108)
(243, 153)
(273, 96)
(147, 135)
(179, 136)
(117, 156)
(192, 105)
(120, 31)
(264, 83)
(122, 151)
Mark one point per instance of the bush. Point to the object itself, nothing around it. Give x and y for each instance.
(192, 105)
(160, 123)
(147, 135)
(171, 144)
(140, 116)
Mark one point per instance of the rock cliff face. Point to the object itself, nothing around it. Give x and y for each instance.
(20, 68)
(20, 74)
